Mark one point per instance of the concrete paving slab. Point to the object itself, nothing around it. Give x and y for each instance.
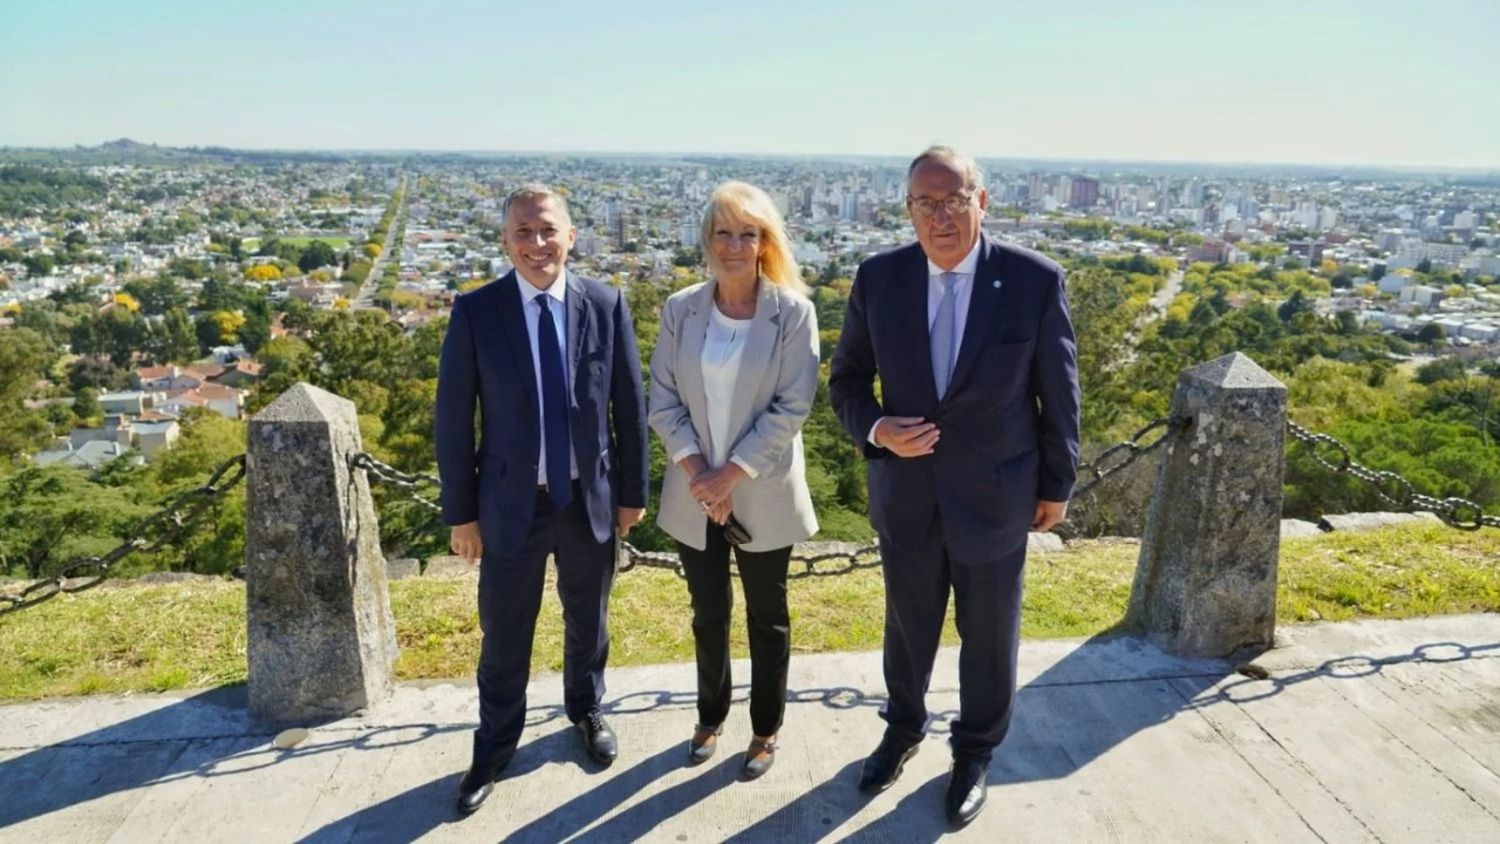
(1370, 731)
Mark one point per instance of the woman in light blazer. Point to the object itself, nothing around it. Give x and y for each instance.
(732, 380)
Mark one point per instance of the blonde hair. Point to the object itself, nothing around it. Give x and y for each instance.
(739, 202)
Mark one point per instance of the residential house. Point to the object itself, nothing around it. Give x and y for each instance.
(163, 378)
(241, 373)
(91, 455)
(132, 402)
(225, 401)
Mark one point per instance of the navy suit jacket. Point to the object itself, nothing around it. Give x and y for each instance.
(490, 474)
(1010, 418)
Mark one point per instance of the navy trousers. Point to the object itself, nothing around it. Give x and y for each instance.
(988, 604)
(510, 596)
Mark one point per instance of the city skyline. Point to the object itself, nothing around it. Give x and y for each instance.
(1345, 84)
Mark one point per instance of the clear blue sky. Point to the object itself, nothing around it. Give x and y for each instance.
(1400, 82)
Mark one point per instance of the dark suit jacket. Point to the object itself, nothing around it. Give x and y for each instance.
(1009, 421)
(487, 362)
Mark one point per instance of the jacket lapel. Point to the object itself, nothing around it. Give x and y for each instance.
(913, 317)
(517, 336)
(688, 368)
(760, 344)
(578, 332)
(984, 310)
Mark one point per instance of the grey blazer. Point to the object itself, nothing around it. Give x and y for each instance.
(773, 395)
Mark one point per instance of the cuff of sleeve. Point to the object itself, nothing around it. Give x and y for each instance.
(1054, 491)
(686, 451)
(871, 436)
(749, 470)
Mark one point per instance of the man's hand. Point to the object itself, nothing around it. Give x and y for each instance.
(1048, 514)
(715, 485)
(465, 542)
(627, 518)
(906, 436)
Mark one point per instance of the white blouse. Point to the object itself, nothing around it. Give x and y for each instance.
(723, 348)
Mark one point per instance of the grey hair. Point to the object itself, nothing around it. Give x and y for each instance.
(538, 192)
(962, 162)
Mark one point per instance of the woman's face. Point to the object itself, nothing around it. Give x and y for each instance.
(736, 246)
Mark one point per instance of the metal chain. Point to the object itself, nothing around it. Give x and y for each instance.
(1391, 487)
(813, 565)
(863, 557)
(388, 474)
(1115, 458)
(149, 535)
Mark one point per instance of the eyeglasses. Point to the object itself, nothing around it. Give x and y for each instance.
(957, 204)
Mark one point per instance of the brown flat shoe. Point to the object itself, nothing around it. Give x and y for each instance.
(705, 742)
(760, 756)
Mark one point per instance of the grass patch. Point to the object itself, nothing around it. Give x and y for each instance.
(252, 244)
(162, 637)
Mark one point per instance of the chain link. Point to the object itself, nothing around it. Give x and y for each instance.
(1391, 487)
(1115, 458)
(813, 565)
(388, 474)
(862, 557)
(168, 525)
(149, 535)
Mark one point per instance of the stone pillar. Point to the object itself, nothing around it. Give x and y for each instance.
(321, 640)
(1205, 583)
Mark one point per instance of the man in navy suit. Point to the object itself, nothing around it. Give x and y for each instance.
(560, 465)
(972, 442)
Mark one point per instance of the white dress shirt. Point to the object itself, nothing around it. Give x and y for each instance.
(723, 351)
(963, 291)
(559, 311)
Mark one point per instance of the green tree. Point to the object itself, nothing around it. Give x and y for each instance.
(24, 357)
(317, 254)
(1442, 369)
(38, 265)
(177, 338)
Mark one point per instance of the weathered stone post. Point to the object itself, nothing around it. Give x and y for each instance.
(321, 637)
(1205, 582)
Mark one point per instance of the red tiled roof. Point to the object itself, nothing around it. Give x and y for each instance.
(207, 371)
(217, 391)
(153, 373)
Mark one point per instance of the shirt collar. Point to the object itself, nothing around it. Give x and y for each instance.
(556, 291)
(968, 266)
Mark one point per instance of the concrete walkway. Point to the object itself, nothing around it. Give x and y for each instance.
(1375, 731)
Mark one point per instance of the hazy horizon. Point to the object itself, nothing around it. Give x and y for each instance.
(891, 158)
(1377, 84)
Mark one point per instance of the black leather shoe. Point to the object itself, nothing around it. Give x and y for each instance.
(705, 742)
(474, 788)
(883, 767)
(966, 786)
(598, 738)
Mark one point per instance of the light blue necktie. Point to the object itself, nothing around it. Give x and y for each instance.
(944, 334)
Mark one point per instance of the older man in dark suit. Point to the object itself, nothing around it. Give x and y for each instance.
(972, 442)
(559, 464)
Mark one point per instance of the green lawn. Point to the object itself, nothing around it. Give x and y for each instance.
(251, 244)
(155, 638)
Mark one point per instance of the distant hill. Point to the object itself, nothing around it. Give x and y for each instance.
(130, 151)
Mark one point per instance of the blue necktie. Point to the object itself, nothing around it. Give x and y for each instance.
(554, 408)
(944, 334)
